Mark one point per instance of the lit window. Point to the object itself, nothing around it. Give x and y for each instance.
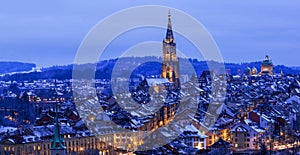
(196, 144)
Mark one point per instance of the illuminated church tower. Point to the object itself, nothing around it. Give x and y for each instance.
(170, 64)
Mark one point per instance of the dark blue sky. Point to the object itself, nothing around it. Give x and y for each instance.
(49, 33)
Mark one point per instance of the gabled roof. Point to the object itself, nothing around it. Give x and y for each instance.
(240, 127)
(221, 143)
(193, 129)
(157, 81)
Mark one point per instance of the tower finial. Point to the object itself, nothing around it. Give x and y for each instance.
(169, 35)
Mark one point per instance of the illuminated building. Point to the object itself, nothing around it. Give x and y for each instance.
(75, 144)
(192, 137)
(253, 71)
(246, 136)
(266, 66)
(170, 64)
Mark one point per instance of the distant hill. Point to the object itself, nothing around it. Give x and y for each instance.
(296, 68)
(105, 68)
(9, 67)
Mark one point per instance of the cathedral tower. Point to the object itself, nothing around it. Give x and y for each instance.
(170, 64)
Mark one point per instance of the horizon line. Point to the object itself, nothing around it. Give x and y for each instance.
(159, 57)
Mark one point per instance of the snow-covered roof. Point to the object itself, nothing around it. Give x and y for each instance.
(7, 129)
(192, 128)
(157, 81)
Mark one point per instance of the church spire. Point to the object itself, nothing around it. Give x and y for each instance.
(170, 64)
(57, 141)
(57, 146)
(169, 35)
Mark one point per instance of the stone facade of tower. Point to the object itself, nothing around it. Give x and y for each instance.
(170, 64)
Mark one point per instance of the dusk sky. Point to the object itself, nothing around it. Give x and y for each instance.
(50, 32)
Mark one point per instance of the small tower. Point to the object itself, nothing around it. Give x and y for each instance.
(253, 71)
(57, 146)
(247, 70)
(170, 64)
(281, 73)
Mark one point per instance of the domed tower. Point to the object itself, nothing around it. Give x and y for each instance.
(253, 71)
(266, 66)
(247, 71)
